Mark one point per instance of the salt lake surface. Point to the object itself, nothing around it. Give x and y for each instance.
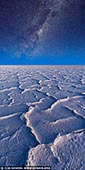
(42, 116)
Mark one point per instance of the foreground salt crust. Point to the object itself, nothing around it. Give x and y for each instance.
(66, 152)
(42, 116)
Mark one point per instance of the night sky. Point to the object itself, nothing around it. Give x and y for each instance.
(42, 32)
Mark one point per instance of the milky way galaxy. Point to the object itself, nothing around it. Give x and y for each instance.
(33, 31)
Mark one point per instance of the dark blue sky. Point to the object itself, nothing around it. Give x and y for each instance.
(42, 32)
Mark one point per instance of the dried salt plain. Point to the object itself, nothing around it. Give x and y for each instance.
(42, 116)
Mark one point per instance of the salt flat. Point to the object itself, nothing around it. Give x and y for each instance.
(42, 116)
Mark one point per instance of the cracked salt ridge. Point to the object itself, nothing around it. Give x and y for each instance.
(60, 123)
(66, 152)
(48, 153)
(63, 110)
(16, 139)
(77, 104)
